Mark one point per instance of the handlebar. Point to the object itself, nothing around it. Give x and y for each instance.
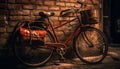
(83, 4)
(79, 2)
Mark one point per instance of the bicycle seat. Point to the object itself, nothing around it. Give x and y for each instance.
(46, 14)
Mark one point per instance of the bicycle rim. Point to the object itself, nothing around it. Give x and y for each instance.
(91, 46)
(30, 55)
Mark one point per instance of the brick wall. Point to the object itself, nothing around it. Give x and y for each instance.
(16, 10)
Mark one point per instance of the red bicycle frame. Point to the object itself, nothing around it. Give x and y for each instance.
(57, 41)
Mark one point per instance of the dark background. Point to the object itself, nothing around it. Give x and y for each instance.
(111, 15)
(115, 15)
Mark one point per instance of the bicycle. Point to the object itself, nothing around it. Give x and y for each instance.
(35, 43)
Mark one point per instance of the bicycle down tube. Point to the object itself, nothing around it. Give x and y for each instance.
(70, 36)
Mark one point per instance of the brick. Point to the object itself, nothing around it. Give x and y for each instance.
(54, 18)
(36, 12)
(64, 18)
(2, 29)
(29, 7)
(4, 35)
(33, 1)
(13, 23)
(61, 34)
(94, 1)
(25, 12)
(89, 6)
(13, 12)
(15, 17)
(42, 7)
(9, 29)
(20, 12)
(39, 2)
(55, 8)
(60, 3)
(11, 1)
(65, 0)
(57, 13)
(55, 23)
(77, 5)
(73, 0)
(15, 6)
(49, 3)
(64, 8)
(66, 33)
(65, 27)
(72, 4)
(27, 17)
(22, 1)
(88, 1)
(68, 4)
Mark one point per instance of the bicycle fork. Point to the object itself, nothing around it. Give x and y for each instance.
(85, 38)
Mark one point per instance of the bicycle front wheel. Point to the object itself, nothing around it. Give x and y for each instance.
(91, 45)
(32, 54)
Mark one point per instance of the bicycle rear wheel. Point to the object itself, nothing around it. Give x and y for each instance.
(91, 45)
(32, 54)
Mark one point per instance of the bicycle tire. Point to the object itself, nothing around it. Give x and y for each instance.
(88, 48)
(29, 56)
